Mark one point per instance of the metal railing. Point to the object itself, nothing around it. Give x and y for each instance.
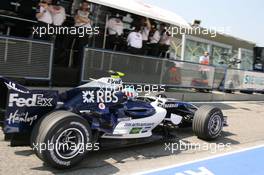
(25, 58)
(32, 59)
(147, 70)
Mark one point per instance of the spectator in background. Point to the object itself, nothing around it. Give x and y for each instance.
(145, 29)
(44, 17)
(154, 38)
(58, 14)
(165, 41)
(115, 28)
(205, 59)
(61, 40)
(82, 15)
(135, 41)
(82, 20)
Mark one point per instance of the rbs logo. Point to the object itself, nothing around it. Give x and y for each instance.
(99, 97)
(35, 100)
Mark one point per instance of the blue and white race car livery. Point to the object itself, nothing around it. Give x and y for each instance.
(59, 126)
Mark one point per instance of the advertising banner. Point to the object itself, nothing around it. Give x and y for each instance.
(244, 80)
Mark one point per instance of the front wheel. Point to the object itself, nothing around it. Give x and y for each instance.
(61, 139)
(208, 122)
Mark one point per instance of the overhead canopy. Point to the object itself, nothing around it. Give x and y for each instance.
(141, 8)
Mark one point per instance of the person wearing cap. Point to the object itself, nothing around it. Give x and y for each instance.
(115, 28)
(58, 14)
(205, 59)
(165, 41)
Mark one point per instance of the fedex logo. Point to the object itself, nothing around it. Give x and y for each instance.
(35, 100)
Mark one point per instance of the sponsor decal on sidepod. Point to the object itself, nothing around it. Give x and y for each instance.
(35, 100)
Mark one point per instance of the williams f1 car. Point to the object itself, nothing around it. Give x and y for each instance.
(63, 127)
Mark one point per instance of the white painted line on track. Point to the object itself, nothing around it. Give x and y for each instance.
(226, 102)
(199, 160)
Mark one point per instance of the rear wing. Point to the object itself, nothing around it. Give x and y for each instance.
(21, 108)
(5, 85)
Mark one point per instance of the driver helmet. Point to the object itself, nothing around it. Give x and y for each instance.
(130, 92)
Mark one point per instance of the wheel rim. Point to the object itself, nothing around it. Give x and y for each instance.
(215, 124)
(69, 143)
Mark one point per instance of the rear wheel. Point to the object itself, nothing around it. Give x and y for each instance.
(60, 139)
(208, 122)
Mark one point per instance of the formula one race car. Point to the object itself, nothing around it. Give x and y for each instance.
(63, 128)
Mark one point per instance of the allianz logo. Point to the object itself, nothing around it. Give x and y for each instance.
(170, 105)
(35, 100)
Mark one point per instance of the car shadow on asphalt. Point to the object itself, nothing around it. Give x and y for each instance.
(104, 161)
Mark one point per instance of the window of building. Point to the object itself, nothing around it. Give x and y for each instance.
(218, 54)
(246, 57)
(194, 50)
